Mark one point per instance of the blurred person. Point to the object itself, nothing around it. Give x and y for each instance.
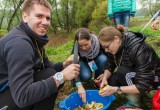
(119, 11)
(28, 80)
(137, 65)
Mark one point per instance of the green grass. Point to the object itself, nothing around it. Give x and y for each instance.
(148, 32)
(61, 53)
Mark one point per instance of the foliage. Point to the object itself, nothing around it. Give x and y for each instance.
(148, 32)
(155, 43)
(9, 13)
(3, 32)
(99, 16)
(139, 21)
(84, 10)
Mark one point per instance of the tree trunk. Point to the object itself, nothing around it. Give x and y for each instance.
(14, 14)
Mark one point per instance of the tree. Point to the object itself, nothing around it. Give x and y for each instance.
(84, 12)
(16, 7)
(2, 14)
(99, 16)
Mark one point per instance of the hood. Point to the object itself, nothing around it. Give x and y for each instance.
(132, 38)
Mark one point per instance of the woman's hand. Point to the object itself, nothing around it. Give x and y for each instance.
(82, 93)
(99, 78)
(107, 90)
(104, 81)
(69, 61)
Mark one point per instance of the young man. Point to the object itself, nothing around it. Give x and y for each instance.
(28, 80)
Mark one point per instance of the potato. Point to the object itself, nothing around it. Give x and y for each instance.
(103, 88)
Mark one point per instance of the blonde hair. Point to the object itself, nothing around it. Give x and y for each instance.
(108, 33)
(27, 4)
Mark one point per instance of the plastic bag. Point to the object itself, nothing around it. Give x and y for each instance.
(156, 100)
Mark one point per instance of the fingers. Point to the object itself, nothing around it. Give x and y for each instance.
(106, 91)
(103, 84)
(99, 78)
(154, 27)
(155, 24)
(82, 95)
(71, 71)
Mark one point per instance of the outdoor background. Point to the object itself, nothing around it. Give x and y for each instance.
(68, 16)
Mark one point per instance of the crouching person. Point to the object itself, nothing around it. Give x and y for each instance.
(138, 66)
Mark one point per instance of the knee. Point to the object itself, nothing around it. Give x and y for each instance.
(85, 72)
(102, 59)
(123, 70)
(85, 77)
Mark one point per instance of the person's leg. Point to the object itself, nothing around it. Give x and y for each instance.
(85, 72)
(126, 77)
(125, 18)
(100, 61)
(113, 80)
(7, 100)
(47, 104)
(117, 18)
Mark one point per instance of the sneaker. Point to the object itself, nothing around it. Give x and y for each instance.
(128, 108)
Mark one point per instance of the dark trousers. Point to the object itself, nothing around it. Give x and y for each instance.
(46, 104)
(124, 76)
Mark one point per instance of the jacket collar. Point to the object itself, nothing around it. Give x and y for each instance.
(41, 40)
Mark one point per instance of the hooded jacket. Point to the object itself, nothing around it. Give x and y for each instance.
(121, 6)
(20, 60)
(137, 54)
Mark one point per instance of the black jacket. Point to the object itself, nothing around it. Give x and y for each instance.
(137, 54)
(19, 61)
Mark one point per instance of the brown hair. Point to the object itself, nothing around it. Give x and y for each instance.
(27, 4)
(108, 33)
(83, 33)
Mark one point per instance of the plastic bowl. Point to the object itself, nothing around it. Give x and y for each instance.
(73, 100)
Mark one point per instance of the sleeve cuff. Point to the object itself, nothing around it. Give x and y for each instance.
(52, 85)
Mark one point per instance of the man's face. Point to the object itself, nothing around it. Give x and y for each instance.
(38, 19)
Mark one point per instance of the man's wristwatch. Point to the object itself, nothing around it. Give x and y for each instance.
(59, 76)
(119, 91)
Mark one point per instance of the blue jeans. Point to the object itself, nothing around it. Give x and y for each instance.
(85, 71)
(122, 18)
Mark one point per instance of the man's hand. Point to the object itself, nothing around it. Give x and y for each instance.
(155, 24)
(71, 72)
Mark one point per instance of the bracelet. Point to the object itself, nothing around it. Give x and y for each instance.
(78, 83)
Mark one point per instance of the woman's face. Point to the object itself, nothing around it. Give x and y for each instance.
(111, 46)
(84, 44)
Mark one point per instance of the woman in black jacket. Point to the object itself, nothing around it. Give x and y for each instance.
(138, 66)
